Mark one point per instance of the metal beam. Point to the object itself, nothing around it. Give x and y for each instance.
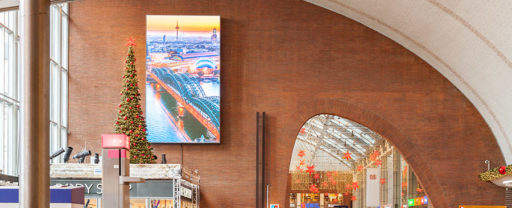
(35, 176)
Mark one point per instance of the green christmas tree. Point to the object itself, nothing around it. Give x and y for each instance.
(130, 120)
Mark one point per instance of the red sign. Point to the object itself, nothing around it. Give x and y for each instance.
(115, 141)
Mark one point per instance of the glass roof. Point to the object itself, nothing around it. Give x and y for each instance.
(324, 139)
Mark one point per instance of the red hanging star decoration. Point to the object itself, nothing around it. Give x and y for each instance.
(316, 176)
(382, 181)
(335, 173)
(378, 162)
(303, 131)
(131, 42)
(333, 182)
(353, 198)
(376, 153)
(355, 185)
(348, 187)
(301, 162)
(359, 168)
(298, 168)
(347, 155)
(329, 174)
(325, 184)
(301, 153)
(311, 169)
(313, 188)
(297, 181)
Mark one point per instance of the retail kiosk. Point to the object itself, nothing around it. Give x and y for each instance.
(165, 186)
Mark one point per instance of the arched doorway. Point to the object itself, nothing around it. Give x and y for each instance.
(337, 162)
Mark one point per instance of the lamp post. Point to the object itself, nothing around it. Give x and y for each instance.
(116, 170)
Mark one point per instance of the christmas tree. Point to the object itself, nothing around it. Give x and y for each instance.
(130, 120)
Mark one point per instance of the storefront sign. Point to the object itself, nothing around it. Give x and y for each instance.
(186, 192)
(372, 187)
(274, 206)
(93, 189)
(482, 206)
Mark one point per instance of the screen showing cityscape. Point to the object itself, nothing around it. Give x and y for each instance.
(183, 79)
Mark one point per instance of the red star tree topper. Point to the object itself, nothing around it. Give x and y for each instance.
(130, 119)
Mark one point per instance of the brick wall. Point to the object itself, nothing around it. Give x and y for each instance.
(292, 60)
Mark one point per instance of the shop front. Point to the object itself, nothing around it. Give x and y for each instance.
(165, 186)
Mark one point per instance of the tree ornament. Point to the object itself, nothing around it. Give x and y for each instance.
(503, 170)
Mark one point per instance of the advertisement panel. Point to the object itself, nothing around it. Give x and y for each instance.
(372, 187)
(183, 78)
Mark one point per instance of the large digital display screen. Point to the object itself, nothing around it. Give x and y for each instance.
(183, 78)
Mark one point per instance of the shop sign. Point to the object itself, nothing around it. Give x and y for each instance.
(186, 192)
(274, 206)
(93, 189)
(481, 206)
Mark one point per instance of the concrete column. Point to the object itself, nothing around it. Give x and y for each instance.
(35, 176)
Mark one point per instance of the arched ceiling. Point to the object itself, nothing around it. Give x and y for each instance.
(468, 41)
(324, 140)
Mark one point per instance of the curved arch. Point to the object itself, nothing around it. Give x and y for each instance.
(436, 193)
(465, 52)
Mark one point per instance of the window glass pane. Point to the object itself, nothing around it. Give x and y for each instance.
(54, 141)
(63, 138)
(3, 70)
(65, 42)
(11, 64)
(65, 8)
(2, 17)
(4, 125)
(55, 34)
(55, 93)
(64, 99)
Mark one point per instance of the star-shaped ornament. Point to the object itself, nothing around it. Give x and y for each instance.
(347, 155)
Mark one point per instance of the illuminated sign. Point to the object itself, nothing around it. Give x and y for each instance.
(115, 141)
(411, 202)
